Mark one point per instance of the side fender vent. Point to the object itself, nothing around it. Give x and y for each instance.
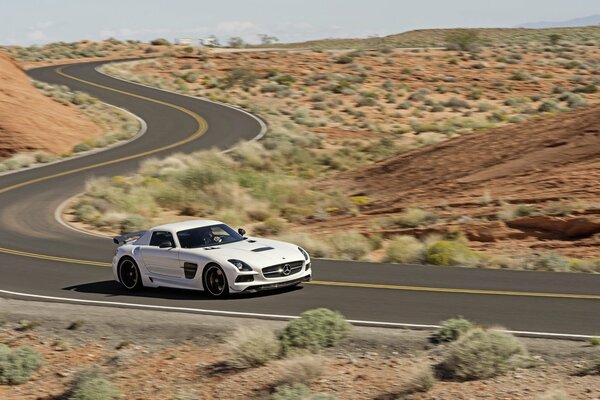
(189, 270)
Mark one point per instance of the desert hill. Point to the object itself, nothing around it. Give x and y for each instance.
(30, 121)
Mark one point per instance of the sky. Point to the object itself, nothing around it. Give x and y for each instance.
(26, 22)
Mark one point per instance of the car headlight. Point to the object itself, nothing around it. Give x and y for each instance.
(240, 265)
(304, 253)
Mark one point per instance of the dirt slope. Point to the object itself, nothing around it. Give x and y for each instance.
(30, 121)
(546, 161)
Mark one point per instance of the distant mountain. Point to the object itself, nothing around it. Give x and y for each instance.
(584, 21)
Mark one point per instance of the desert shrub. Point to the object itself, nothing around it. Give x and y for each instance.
(298, 391)
(245, 77)
(452, 329)
(549, 106)
(520, 76)
(251, 347)
(595, 341)
(591, 88)
(271, 226)
(456, 104)
(315, 246)
(350, 245)
(553, 394)
(303, 368)
(91, 384)
(420, 380)
(16, 366)
(510, 211)
(481, 354)
(365, 101)
(191, 77)
(133, 223)
(160, 42)
(413, 217)
(344, 59)
(404, 249)
(314, 330)
(548, 262)
(463, 39)
(449, 252)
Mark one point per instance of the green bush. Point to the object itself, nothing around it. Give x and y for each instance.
(413, 217)
(449, 252)
(160, 42)
(350, 245)
(252, 347)
(548, 262)
(420, 380)
(344, 59)
(452, 329)
(91, 384)
(404, 249)
(463, 39)
(481, 354)
(314, 330)
(298, 391)
(16, 366)
(303, 368)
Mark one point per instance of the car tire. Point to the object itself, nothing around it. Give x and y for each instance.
(129, 274)
(214, 281)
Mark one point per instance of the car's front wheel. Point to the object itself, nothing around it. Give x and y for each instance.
(129, 274)
(215, 281)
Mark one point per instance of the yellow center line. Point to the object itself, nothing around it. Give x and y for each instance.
(452, 290)
(202, 128)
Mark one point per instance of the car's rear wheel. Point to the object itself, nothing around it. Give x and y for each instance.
(129, 274)
(215, 281)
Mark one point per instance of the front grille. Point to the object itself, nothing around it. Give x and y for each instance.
(277, 271)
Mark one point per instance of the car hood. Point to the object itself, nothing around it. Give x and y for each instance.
(256, 252)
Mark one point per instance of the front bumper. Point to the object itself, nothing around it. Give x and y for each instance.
(277, 285)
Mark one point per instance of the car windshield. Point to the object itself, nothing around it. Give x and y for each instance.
(208, 236)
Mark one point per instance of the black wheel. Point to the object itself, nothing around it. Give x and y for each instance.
(129, 274)
(215, 281)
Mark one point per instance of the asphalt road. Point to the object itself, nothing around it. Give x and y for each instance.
(40, 257)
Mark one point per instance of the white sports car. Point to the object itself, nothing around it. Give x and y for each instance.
(207, 255)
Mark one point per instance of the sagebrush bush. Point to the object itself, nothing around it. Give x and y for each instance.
(298, 391)
(450, 252)
(404, 249)
(481, 354)
(350, 245)
(547, 262)
(17, 365)
(452, 329)
(314, 330)
(413, 217)
(92, 384)
(420, 380)
(252, 347)
(302, 368)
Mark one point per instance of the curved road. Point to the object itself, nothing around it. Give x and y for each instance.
(40, 258)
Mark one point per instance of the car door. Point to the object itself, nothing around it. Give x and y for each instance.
(162, 261)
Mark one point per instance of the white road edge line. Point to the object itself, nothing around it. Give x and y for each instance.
(280, 317)
(141, 131)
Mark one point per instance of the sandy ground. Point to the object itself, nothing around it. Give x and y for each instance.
(163, 355)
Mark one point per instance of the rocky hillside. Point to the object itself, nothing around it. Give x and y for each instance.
(536, 182)
(30, 121)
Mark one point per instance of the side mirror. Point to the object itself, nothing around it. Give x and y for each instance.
(165, 245)
(242, 231)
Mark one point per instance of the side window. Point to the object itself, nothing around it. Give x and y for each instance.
(160, 236)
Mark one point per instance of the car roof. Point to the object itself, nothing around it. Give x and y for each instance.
(183, 225)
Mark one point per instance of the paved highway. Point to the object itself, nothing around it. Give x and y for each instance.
(44, 260)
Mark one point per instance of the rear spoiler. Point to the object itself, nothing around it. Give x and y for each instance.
(128, 237)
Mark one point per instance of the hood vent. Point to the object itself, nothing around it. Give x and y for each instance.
(258, 250)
